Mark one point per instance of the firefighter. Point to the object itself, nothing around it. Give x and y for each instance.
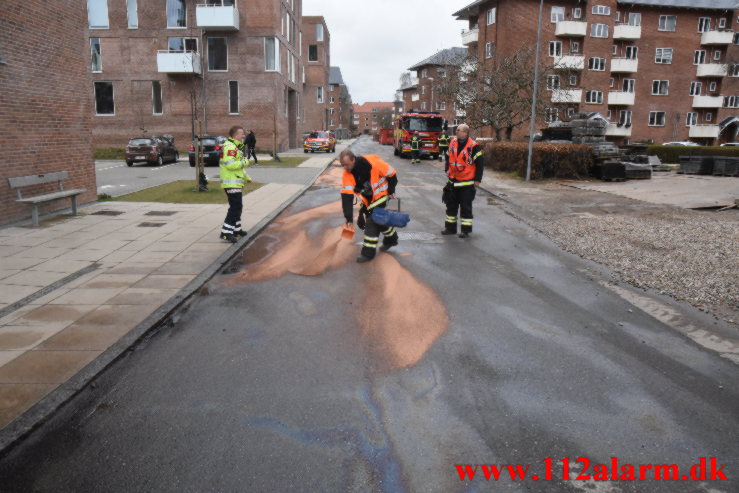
(233, 176)
(464, 168)
(415, 148)
(374, 181)
(443, 146)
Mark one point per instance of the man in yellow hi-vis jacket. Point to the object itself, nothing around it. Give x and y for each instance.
(233, 177)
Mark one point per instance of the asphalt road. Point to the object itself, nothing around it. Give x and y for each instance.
(500, 349)
(115, 178)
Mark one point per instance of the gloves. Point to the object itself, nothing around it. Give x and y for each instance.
(448, 193)
(361, 221)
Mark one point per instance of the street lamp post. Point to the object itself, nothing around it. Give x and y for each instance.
(535, 94)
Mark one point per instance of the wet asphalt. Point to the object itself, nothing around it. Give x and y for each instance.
(271, 386)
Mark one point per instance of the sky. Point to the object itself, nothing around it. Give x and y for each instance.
(375, 41)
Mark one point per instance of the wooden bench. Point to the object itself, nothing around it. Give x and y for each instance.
(27, 181)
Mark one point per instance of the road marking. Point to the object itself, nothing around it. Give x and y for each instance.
(111, 167)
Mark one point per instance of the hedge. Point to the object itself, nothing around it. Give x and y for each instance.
(110, 153)
(671, 154)
(549, 160)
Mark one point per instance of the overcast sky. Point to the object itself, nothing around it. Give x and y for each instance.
(374, 41)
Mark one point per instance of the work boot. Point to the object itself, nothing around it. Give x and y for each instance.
(240, 234)
(446, 232)
(385, 248)
(464, 234)
(362, 259)
(229, 238)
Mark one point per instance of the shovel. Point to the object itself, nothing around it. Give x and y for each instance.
(347, 233)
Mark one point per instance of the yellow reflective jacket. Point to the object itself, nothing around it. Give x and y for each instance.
(232, 165)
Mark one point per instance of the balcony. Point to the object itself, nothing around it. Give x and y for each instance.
(178, 62)
(717, 38)
(613, 130)
(712, 70)
(624, 65)
(470, 37)
(574, 29)
(704, 132)
(621, 98)
(569, 62)
(211, 17)
(708, 101)
(567, 96)
(626, 32)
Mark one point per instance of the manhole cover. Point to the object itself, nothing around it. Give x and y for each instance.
(151, 225)
(416, 236)
(107, 213)
(160, 213)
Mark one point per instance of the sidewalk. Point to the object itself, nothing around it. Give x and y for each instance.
(74, 287)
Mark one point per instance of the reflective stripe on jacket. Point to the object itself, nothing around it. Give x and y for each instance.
(462, 165)
(380, 172)
(232, 165)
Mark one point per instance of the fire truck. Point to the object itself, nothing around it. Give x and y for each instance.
(429, 125)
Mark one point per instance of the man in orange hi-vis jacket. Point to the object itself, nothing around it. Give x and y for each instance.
(374, 181)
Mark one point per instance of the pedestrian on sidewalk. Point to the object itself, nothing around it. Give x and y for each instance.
(233, 176)
(251, 144)
(374, 181)
(415, 148)
(464, 168)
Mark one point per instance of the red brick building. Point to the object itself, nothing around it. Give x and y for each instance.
(340, 105)
(45, 124)
(431, 73)
(367, 116)
(157, 65)
(664, 70)
(316, 46)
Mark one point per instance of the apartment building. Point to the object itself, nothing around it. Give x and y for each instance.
(46, 117)
(316, 44)
(340, 105)
(159, 65)
(663, 70)
(430, 73)
(367, 116)
(407, 95)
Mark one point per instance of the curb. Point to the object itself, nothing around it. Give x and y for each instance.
(40, 412)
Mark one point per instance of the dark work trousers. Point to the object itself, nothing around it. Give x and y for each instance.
(372, 232)
(460, 201)
(251, 152)
(442, 152)
(416, 155)
(232, 224)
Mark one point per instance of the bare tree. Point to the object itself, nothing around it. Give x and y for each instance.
(385, 118)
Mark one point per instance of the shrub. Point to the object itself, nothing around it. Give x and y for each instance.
(549, 160)
(671, 154)
(110, 153)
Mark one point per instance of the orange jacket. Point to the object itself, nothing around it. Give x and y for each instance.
(462, 164)
(379, 174)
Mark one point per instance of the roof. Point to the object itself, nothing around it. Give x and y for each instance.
(334, 76)
(367, 107)
(470, 10)
(686, 4)
(449, 56)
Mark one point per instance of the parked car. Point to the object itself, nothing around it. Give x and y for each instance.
(683, 143)
(152, 150)
(211, 150)
(319, 141)
(730, 144)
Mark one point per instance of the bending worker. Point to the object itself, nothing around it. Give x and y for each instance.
(233, 176)
(443, 146)
(464, 168)
(374, 181)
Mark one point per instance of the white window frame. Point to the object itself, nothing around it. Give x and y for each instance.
(664, 25)
(278, 66)
(132, 13)
(107, 14)
(601, 10)
(695, 88)
(717, 55)
(558, 48)
(631, 52)
(625, 116)
(659, 56)
(594, 97)
(491, 16)
(161, 98)
(699, 57)
(489, 50)
(599, 30)
(722, 23)
(614, 50)
(570, 112)
(576, 14)
(441, 72)
(238, 97)
(611, 82)
(94, 90)
(441, 106)
(553, 82)
(654, 120)
(423, 105)
(734, 70)
(574, 46)
(712, 86)
(660, 87)
(708, 117)
(628, 85)
(597, 64)
(208, 54)
(319, 32)
(184, 2)
(551, 115)
(100, 57)
(704, 24)
(557, 14)
(731, 102)
(319, 95)
(634, 19)
(691, 118)
(572, 80)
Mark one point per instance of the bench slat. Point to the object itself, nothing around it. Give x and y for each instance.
(51, 196)
(25, 181)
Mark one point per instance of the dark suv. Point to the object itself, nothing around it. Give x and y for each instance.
(211, 150)
(153, 150)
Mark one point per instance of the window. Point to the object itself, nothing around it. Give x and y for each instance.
(551, 115)
(182, 44)
(624, 117)
(555, 48)
(104, 101)
(618, 15)
(576, 14)
(712, 86)
(731, 102)
(573, 80)
(491, 16)
(156, 97)
(489, 49)
(312, 53)
(594, 97)
(660, 87)
(628, 85)
(332, 88)
(695, 88)
(233, 97)
(424, 73)
(570, 112)
(709, 117)
(632, 52)
(97, 14)
(441, 72)
(331, 100)
(552, 82)
(423, 105)
(217, 54)
(319, 32)
(704, 24)
(132, 12)
(609, 115)
(667, 22)
(441, 106)
(691, 118)
(423, 89)
(601, 10)
(271, 55)
(319, 94)
(597, 63)
(599, 31)
(736, 38)
(663, 55)
(611, 81)
(574, 46)
(634, 19)
(557, 14)
(699, 57)
(614, 50)
(95, 55)
(717, 55)
(176, 13)
(734, 70)
(722, 23)
(656, 118)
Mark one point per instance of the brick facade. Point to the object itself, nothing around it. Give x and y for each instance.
(317, 56)
(269, 101)
(429, 75)
(514, 25)
(366, 116)
(340, 105)
(45, 124)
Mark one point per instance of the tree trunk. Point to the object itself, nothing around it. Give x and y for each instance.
(497, 134)
(508, 133)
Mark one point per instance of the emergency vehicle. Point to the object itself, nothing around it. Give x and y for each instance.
(428, 124)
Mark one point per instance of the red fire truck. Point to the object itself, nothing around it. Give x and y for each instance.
(429, 126)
